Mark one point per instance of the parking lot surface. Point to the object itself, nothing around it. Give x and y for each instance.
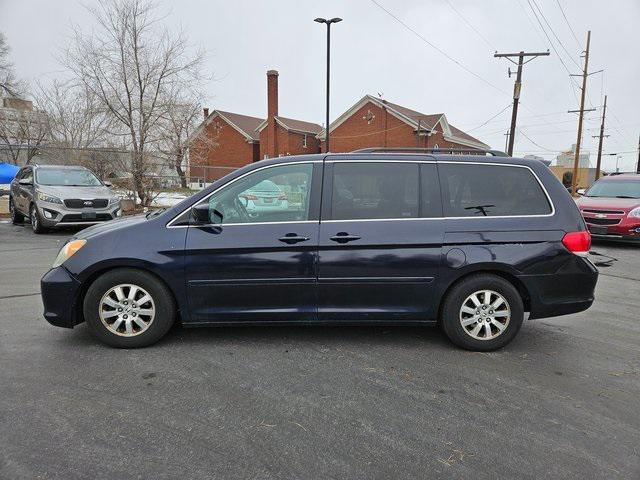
(561, 401)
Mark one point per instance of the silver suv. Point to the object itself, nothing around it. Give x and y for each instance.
(56, 196)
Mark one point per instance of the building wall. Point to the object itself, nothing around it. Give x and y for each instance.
(384, 130)
(288, 143)
(586, 176)
(231, 151)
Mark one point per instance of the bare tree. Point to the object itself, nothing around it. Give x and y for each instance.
(80, 126)
(175, 129)
(10, 85)
(22, 131)
(133, 65)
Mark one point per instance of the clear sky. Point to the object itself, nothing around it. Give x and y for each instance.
(374, 53)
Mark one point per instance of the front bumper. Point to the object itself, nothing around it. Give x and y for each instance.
(56, 215)
(60, 296)
(628, 228)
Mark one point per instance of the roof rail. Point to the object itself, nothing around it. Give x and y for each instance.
(437, 151)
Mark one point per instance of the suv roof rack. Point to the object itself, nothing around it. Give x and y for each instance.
(438, 151)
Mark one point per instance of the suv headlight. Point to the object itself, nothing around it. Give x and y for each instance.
(634, 213)
(48, 198)
(114, 201)
(68, 251)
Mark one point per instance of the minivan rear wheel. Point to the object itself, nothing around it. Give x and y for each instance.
(482, 312)
(128, 308)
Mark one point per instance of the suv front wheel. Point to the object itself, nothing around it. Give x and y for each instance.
(36, 222)
(483, 312)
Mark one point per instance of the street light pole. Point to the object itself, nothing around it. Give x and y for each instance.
(328, 23)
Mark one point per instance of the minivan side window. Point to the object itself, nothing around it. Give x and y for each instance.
(375, 190)
(477, 190)
(276, 194)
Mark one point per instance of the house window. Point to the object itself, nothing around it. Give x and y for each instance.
(304, 141)
(436, 146)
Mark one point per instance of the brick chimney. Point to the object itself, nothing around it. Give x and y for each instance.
(205, 111)
(272, 112)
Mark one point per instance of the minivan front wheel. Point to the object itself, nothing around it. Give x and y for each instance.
(483, 312)
(128, 308)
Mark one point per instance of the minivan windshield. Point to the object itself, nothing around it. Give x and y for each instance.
(66, 177)
(615, 188)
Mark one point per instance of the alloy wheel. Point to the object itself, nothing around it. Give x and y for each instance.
(127, 310)
(485, 315)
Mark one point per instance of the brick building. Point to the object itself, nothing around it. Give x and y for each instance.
(373, 122)
(226, 141)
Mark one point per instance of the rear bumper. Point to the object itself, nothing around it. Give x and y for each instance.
(569, 290)
(60, 292)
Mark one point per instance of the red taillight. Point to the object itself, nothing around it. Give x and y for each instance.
(577, 242)
(250, 197)
(282, 197)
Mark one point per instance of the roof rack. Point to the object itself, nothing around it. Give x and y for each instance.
(451, 151)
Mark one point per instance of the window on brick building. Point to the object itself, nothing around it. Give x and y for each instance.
(304, 141)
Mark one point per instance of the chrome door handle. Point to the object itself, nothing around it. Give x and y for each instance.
(343, 237)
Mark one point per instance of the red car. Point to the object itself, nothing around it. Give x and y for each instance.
(611, 207)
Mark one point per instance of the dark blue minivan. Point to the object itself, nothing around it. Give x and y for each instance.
(390, 237)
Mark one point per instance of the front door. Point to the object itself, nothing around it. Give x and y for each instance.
(380, 241)
(257, 259)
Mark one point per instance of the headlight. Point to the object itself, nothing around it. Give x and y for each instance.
(114, 201)
(48, 198)
(68, 251)
(634, 213)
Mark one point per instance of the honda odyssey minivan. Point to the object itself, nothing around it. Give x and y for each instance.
(470, 242)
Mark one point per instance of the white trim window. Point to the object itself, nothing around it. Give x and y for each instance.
(304, 140)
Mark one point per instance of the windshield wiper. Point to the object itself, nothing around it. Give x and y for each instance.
(154, 213)
(625, 196)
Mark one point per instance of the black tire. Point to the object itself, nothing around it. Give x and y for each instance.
(165, 310)
(16, 217)
(36, 221)
(451, 313)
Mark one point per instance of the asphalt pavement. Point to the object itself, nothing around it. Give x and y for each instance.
(561, 401)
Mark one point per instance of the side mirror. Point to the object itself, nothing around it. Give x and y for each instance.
(25, 182)
(581, 191)
(200, 213)
(108, 184)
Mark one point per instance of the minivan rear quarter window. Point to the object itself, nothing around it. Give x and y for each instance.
(477, 190)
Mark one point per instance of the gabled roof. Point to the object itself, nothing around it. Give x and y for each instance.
(294, 125)
(428, 122)
(243, 124)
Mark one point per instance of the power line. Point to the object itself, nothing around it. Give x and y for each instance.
(496, 115)
(438, 49)
(554, 34)
(568, 24)
(484, 39)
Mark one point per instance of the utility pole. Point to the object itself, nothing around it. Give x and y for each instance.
(517, 87)
(638, 165)
(585, 74)
(601, 137)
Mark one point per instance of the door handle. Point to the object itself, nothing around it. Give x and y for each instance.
(291, 238)
(343, 237)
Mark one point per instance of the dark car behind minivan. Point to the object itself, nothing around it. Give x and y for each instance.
(378, 237)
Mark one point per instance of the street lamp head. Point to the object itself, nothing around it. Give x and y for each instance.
(324, 20)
